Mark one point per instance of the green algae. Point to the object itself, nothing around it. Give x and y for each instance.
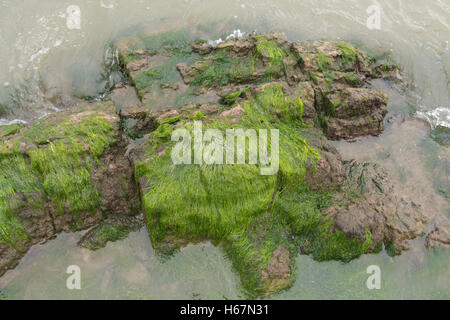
(323, 62)
(106, 232)
(8, 130)
(57, 171)
(170, 120)
(15, 177)
(174, 42)
(66, 176)
(231, 98)
(352, 79)
(270, 50)
(348, 53)
(221, 69)
(199, 116)
(441, 135)
(249, 214)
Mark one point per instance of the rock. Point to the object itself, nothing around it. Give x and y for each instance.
(354, 112)
(202, 47)
(137, 65)
(65, 177)
(168, 114)
(439, 236)
(127, 102)
(371, 202)
(304, 91)
(329, 172)
(110, 230)
(278, 272)
(189, 74)
(234, 113)
(441, 135)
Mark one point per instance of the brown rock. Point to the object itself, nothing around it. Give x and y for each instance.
(354, 112)
(277, 274)
(371, 201)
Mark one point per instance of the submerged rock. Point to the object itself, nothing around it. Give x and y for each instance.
(88, 167)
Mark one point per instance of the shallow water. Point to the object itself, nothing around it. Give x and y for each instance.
(125, 270)
(38, 49)
(42, 59)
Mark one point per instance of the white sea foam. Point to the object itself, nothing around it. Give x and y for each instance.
(437, 117)
(237, 34)
(106, 5)
(6, 122)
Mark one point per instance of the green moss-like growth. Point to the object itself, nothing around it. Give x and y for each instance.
(264, 63)
(56, 171)
(392, 250)
(270, 53)
(231, 98)
(323, 62)
(9, 130)
(221, 69)
(348, 53)
(441, 135)
(250, 214)
(352, 79)
(174, 42)
(106, 232)
(15, 177)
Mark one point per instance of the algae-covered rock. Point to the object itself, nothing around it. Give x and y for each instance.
(61, 174)
(170, 139)
(9, 130)
(314, 204)
(354, 112)
(370, 201)
(109, 230)
(250, 214)
(330, 76)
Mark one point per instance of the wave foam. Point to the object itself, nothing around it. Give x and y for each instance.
(237, 34)
(5, 122)
(437, 117)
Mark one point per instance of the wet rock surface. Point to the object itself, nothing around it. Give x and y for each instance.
(370, 201)
(106, 166)
(66, 173)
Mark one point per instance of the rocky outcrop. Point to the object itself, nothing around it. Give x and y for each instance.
(67, 172)
(439, 236)
(278, 271)
(97, 166)
(369, 201)
(330, 75)
(354, 112)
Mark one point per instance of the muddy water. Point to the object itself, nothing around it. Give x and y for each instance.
(45, 66)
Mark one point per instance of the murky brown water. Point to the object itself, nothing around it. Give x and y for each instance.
(41, 56)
